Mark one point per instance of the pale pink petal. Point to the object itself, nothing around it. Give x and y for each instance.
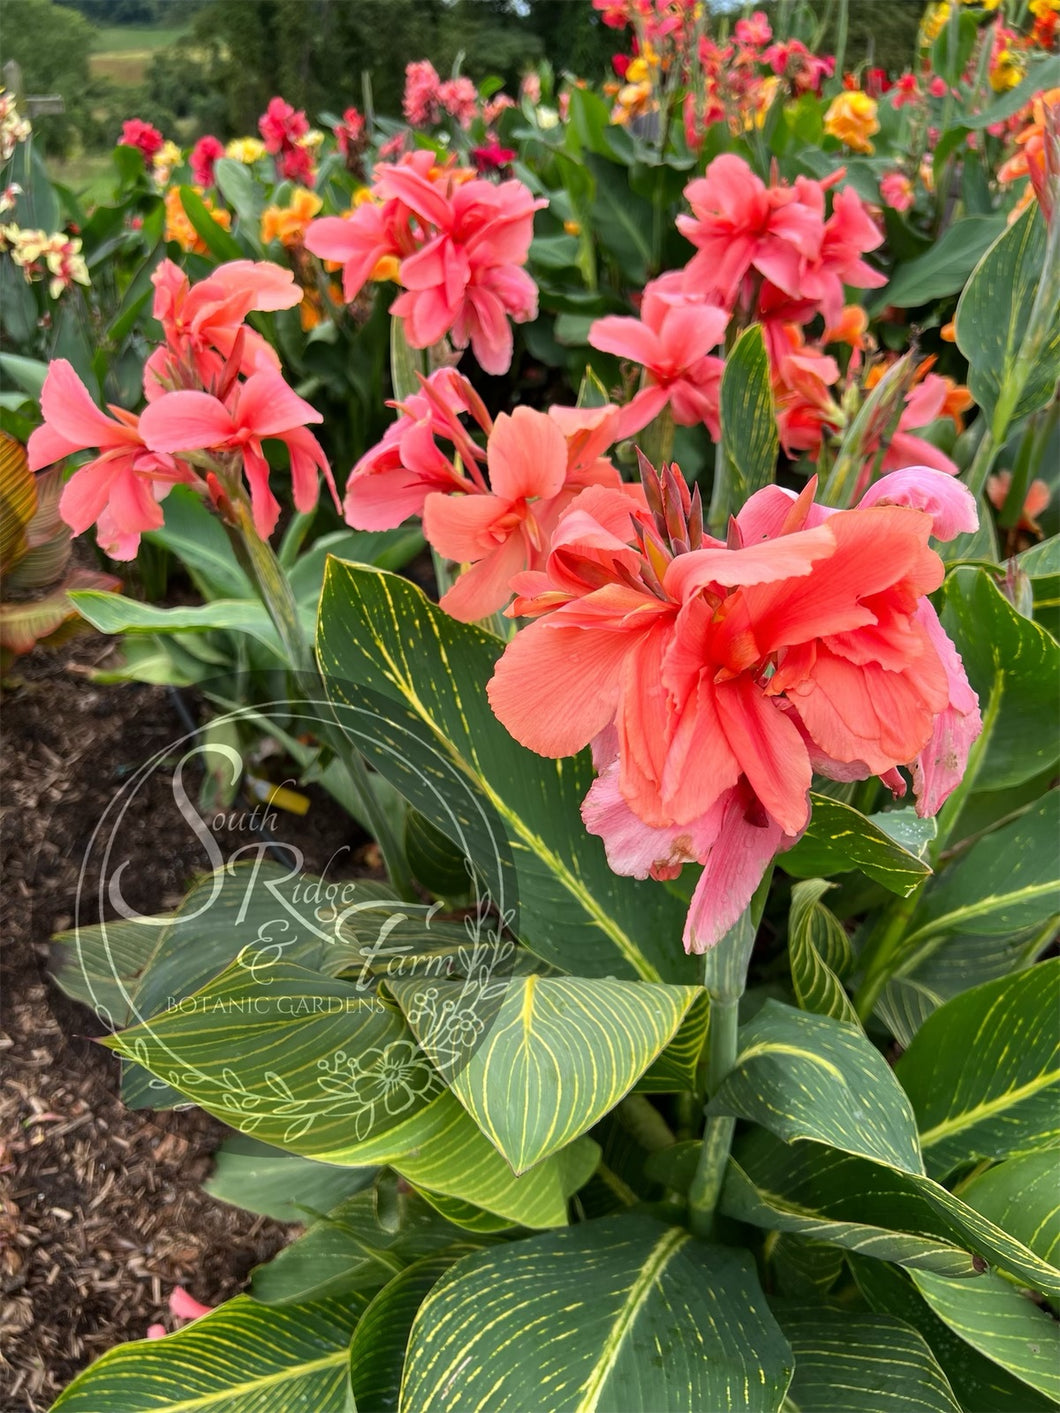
(634, 848)
(940, 766)
(732, 871)
(948, 501)
(185, 1306)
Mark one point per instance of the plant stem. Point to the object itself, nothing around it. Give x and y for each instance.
(263, 569)
(725, 979)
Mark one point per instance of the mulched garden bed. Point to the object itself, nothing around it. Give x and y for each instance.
(101, 1209)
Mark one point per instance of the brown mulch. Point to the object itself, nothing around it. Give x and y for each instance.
(101, 1209)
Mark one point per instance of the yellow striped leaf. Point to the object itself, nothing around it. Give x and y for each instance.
(979, 1383)
(818, 948)
(318, 1067)
(1000, 1322)
(1022, 1195)
(806, 1076)
(621, 1313)
(242, 1358)
(873, 1210)
(847, 1362)
(377, 1352)
(983, 1072)
(557, 1054)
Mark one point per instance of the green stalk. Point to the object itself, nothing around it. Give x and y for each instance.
(264, 571)
(725, 979)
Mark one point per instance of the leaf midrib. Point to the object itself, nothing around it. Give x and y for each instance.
(968, 1118)
(298, 1371)
(664, 1250)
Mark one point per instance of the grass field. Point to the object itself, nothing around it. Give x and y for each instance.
(122, 52)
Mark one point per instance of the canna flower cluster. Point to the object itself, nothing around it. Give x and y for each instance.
(13, 127)
(145, 138)
(203, 159)
(765, 253)
(427, 97)
(456, 244)
(215, 394)
(537, 463)
(289, 141)
(713, 679)
(56, 257)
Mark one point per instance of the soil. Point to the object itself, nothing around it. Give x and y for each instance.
(101, 1209)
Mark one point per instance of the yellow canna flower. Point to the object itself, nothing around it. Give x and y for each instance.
(245, 149)
(1042, 9)
(288, 224)
(572, 228)
(851, 118)
(1007, 70)
(934, 21)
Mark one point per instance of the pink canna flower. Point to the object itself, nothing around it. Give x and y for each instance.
(714, 678)
(459, 98)
(421, 103)
(393, 479)
(502, 531)
(467, 280)
(119, 491)
(538, 462)
(924, 404)
(740, 225)
(283, 130)
(896, 191)
(203, 159)
(461, 244)
(202, 323)
(671, 340)
(261, 408)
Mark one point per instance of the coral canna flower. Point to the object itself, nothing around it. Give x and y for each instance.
(263, 407)
(499, 532)
(120, 489)
(713, 679)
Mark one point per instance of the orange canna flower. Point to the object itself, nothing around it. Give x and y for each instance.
(288, 224)
(850, 328)
(179, 227)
